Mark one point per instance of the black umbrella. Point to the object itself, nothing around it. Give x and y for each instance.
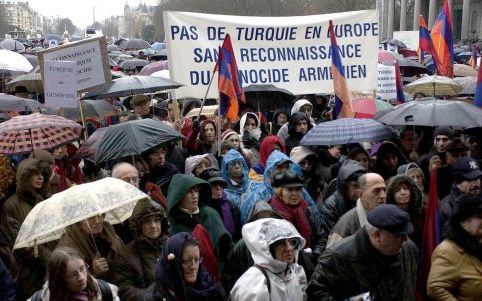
(135, 44)
(410, 67)
(267, 98)
(395, 42)
(91, 109)
(18, 104)
(131, 85)
(128, 139)
(133, 64)
(432, 112)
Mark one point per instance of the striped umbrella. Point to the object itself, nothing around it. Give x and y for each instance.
(346, 130)
(23, 134)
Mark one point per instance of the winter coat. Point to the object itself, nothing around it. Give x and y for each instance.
(7, 284)
(255, 136)
(447, 204)
(348, 224)
(196, 143)
(386, 148)
(267, 146)
(161, 176)
(294, 137)
(353, 266)
(234, 192)
(283, 131)
(337, 204)
(135, 266)
(30, 269)
(207, 216)
(286, 281)
(456, 271)
(233, 210)
(45, 293)
(263, 191)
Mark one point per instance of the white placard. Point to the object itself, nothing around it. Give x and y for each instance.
(60, 84)
(292, 53)
(409, 38)
(387, 88)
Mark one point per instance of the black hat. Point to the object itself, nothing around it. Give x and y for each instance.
(391, 218)
(466, 168)
(288, 179)
(212, 175)
(445, 131)
(466, 206)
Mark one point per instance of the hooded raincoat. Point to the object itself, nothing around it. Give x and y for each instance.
(263, 191)
(283, 131)
(286, 281)
(193, 162)
(234, 190)
(254, 136)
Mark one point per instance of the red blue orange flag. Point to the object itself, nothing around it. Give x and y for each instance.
(399, 85)
(343, 103)
(229, 82)
(425, 42)
(478, 89)
(443, 41)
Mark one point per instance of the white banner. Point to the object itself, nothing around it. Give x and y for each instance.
(387, 88)
(409, 38)
(292, 53)
(60, 84)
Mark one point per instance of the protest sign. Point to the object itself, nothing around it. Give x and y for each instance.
(60, 84)
(292, 53)
(409, 38)
(387, 88)
(90, 55)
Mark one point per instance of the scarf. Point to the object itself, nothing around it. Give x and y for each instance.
(296, 215)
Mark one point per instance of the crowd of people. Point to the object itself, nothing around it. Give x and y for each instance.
(244, 212)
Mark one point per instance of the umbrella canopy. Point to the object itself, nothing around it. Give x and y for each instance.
(410, 67)
(154, 67)
(266, 98)
(158, 46)
(434, 86)
(117, 74)
(18, 104)
(97, 108)
(433, 112)
(135, 44)
(346, 130)
(130, 85)
(31, 81)
(32, 59)
(47, 220)
(468, 84)
(368, 107)
(90, 148)
(162, 73)
(12, 45)
(130, 138)
(112, 47)
(133, 64)
(12, 61)
(25, 133)
(208, 111)
(385, 56)
(464, 70)
(395, 42)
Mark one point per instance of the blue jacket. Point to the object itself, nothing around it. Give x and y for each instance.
(263, 191)
(234, 192)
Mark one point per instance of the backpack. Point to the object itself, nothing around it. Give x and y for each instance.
(268, 281)
(104, 290)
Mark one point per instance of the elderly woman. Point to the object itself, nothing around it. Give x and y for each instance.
(180, 273)
(456, 272)
(195, 165)
(69, 279)
(97, 242)
(135, 266)
(274, 245)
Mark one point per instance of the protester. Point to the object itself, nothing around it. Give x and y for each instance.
(134, 267)
(195, 165)
(389, 158)
(97, 242)
(202, 138)
(303, 106)
(373, 194)
(408, 142)
(280, 117)
(47, 165)
(160, 171)
(378, 259)
(442, 136)
(251, 136)
(455, 272)
(181, 275)
(69, 279)
(141, 104)
(299, 125)
(235, 173)
(306, 158)
(65, 164)
(445, 174)
(274, 245)
(358, 153)
(269, 144)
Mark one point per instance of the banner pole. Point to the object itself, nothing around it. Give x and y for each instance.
(81, 108)
(205, 95)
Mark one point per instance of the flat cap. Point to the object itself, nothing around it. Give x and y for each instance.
(391, 218)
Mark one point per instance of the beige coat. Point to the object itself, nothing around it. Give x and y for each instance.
(455, 274)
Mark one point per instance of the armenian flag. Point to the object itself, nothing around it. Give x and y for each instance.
(229, 83)
(343, 103)
(443, 41)
(478, 89)
(425, 43)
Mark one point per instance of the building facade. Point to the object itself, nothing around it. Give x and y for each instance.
(18, 15)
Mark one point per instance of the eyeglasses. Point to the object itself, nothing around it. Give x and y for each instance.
(82, 270)
(293, 242)
(191, 261)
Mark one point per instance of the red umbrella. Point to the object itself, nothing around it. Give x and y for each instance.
(153, 67)
(23, 134)
(385, 56)
(368, 107)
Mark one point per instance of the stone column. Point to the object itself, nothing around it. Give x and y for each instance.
(391, 11)
(432, 11)
(416, 14)
(465, 21)
(403, 15)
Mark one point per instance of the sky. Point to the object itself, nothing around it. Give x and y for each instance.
(81, 11)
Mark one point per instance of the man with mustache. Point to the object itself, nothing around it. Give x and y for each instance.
(466, 181)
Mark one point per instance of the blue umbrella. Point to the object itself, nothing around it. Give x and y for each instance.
(347, 130)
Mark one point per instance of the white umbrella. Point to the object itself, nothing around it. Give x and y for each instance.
(12, 61)
(468, 84)
(162, 73)
(47, 220)
(434, 86)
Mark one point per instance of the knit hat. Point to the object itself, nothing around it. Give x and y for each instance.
(228, 133)
(445, 131)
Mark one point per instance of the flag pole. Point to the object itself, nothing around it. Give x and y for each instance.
(206, 94)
